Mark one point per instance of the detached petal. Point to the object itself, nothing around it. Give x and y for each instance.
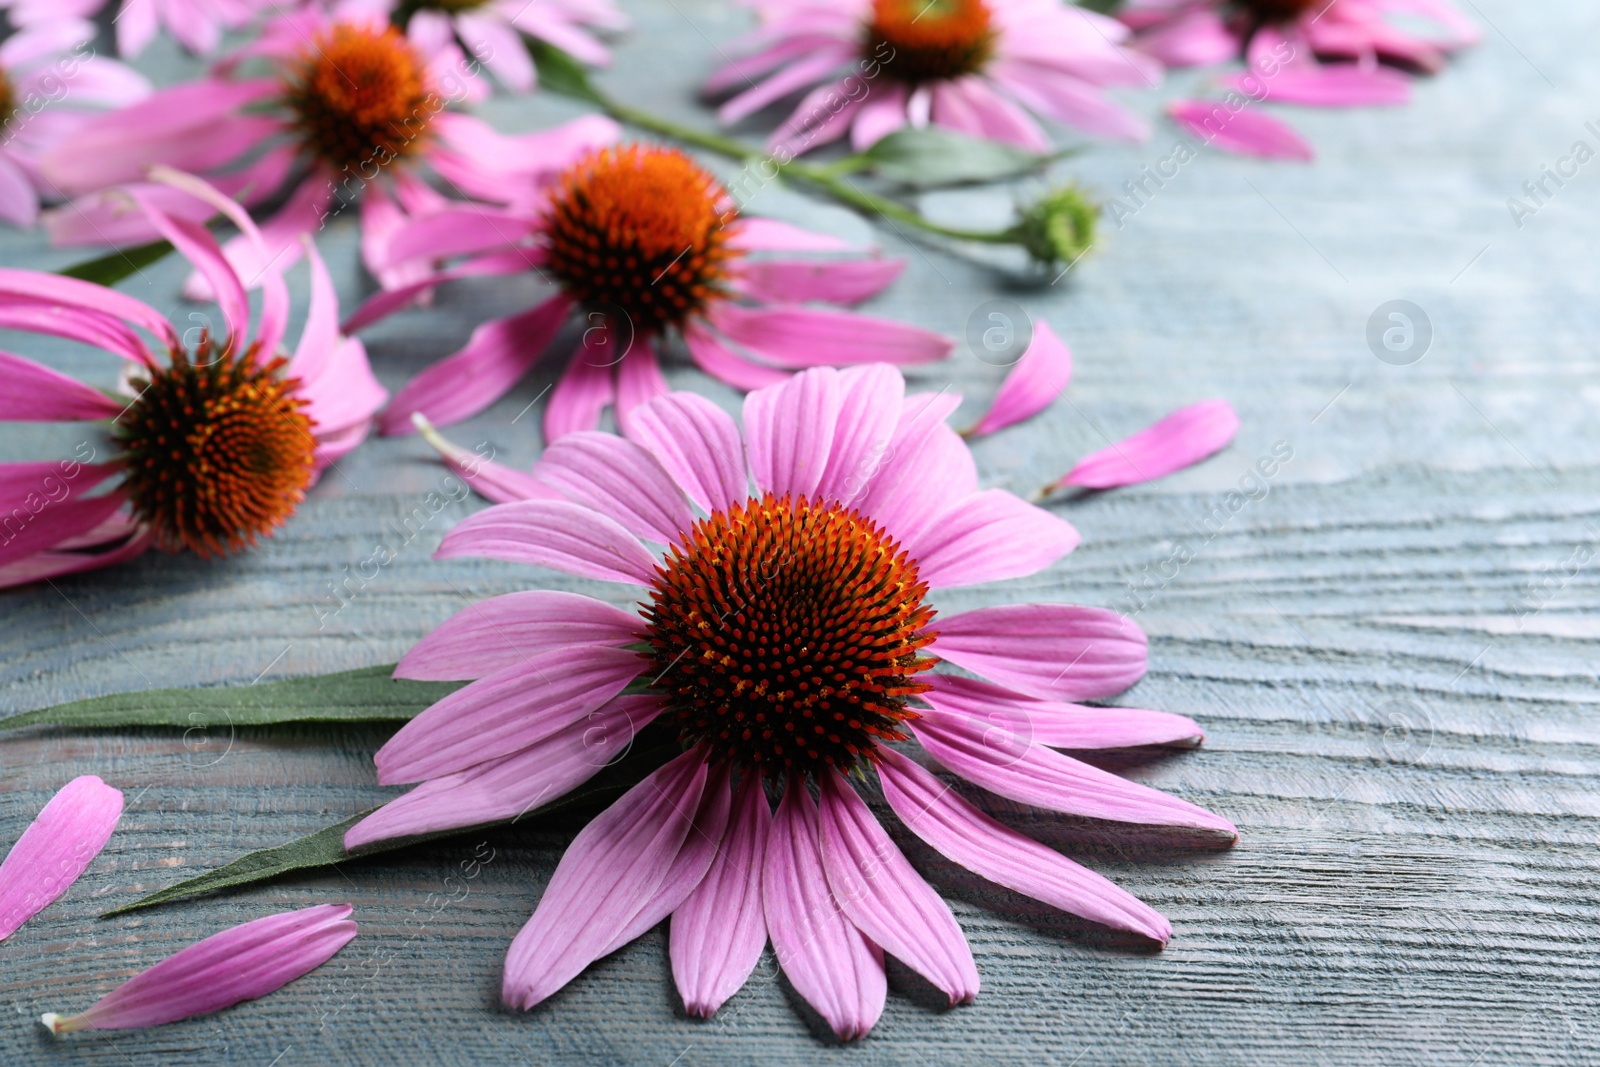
(967, 836)
(1033, 384)
(58, 847)
(243, 963)
(1249, 132)
(1182, 439)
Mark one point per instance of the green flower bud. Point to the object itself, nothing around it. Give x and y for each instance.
(1058, 228)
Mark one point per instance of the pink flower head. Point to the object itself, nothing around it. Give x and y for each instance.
(346, 109)
(1316, 53)
(196, 24)
(642, 241)
(491, 30)
(51, 83)
(221, 434)
(981, 67)
(788, 642)
(243, 963)
(56, 849)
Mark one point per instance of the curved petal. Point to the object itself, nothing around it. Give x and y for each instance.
(505, 630)
(886, 899)
(818, 337)
(699, 446)
(1032, 385)
(987, 537)
(586, 387)
(618, 479)
(1250, 132)
(1182, 439)
(56, 289)
(755, 234)
(717, 934)
(965, 835)
(829, 962)
(555, 534)
(726, 365)
(607, 876)
(511, 786)
(56, 848)
(54, 523)
(493, 481)
(1061, 725)
(494, 359)
(639, 381)
(1050, 651)
(927, 466)
(35, 393)
(788, 432)
(507, 711)
(196, 244)
(789, 281)
(1005, 763)
(869, 412)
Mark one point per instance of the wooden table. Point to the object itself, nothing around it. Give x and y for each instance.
(1386, 642)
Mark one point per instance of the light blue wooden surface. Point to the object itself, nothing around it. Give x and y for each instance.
(1397, 678)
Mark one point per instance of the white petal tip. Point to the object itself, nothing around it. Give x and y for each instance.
(51, 1022)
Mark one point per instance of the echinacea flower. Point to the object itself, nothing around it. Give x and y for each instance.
(980, 67)
(195, 24)
(1316, 53)
(56, 848)
(347, 109)
(644, 242)
(243, 963)
(51, 82)
(222, 433)
(491, 30)
(787, 639)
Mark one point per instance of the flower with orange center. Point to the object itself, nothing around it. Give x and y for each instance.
(218, 450)
(786, 635)
(359, 96)
(929, 40)
(640, 230)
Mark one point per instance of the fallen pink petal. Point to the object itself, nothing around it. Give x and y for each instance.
(244, 963)
(55, 850)
(1180, 440)
(1032, 385)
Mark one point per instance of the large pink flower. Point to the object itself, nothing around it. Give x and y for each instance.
(642, 241)
(491, 30)
(220, 434)
(1315, 53)
(51, 83)
(347, 109)
(196, 24)
(982, 67)
(786, 638)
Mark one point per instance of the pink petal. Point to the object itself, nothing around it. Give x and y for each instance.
(804, 72)
(1069, 99)
(494, 359)
(967, 836)
(1061, 725)
(53, 564)
(517, 706)
(886, 899)
(56, 523)
(510, 787)
(75, 324)
(619, 480)
(586, 387)
(1050, 651)
(882, 114)
(928, 466)
(459, 230)
(35, 393)
(717, 934)
(196, 244)
(555, 534)
(55, 849)
(639, 380)
(869, 412)
(243, 963)
(1197, 38)
(19, 201)
(502, 631)
(780, 281)
(1249, 132)
(607, 876)
(818, 337)
(723, 364)
(1004, 762)
(1329, 85)
(970, 106)
(381, 305)
(788, 432)
(988, 537)
(491, 480)
(829, 962)
(1182, 439)
(1032, 385)
(75, 294)
(698, 444)
(754, 234)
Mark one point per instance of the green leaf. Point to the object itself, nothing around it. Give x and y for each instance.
(326, 847)
(560, 72)
(934, 156)
(1105, 7)
(112, 267)
(365, 695)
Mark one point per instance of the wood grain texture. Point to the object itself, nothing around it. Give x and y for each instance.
(1397, 678)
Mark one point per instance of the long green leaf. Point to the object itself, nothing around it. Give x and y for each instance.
(560, 72)
(112, 267)
(326, 847)
(365, 695)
